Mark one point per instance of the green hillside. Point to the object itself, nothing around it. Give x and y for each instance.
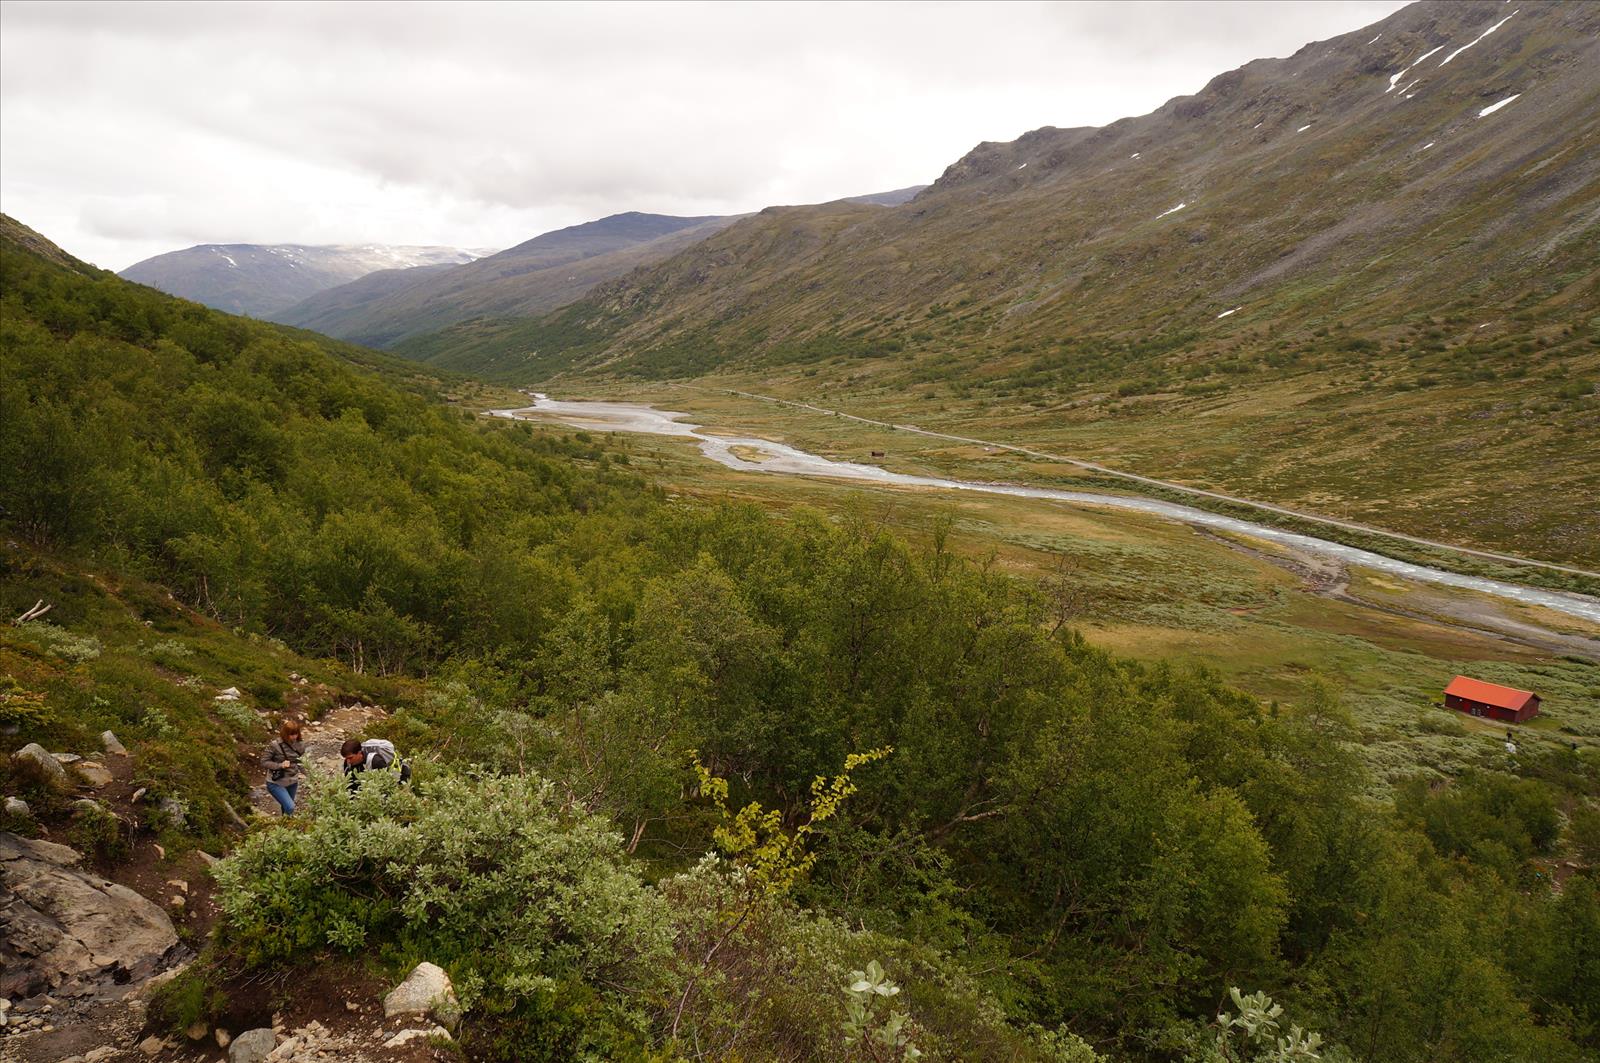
(1372, 304)
(686, 773)
(533, 277)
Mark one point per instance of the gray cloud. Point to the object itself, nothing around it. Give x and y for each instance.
(129, 129)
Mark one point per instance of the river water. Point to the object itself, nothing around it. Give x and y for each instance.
(782, 459)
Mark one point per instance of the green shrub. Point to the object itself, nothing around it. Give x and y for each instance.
(188, 998)
(21, 707)
(548, 937)
(240, 716)
(98, 831)
(74, 649)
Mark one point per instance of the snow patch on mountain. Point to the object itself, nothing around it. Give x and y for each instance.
(1395, 78)
(1493, 107)
(1480, 37)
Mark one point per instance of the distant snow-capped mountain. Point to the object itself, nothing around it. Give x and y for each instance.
(260, 279)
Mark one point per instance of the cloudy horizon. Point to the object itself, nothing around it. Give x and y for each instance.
(128, 130)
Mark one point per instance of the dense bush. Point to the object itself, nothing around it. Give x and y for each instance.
(271, 483)
(521, 900)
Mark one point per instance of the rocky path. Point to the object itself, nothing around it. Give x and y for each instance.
(79, 953)
(323, 738)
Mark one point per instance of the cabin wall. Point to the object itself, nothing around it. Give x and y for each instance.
(1486, 711)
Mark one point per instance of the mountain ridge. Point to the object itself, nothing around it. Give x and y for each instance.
(1219, 291)
(532, 277)
(258, 280)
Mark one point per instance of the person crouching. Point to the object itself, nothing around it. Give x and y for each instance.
(374, 754)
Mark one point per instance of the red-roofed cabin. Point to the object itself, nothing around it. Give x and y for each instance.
(1490, 699)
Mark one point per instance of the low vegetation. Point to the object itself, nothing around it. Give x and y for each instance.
(702, 782)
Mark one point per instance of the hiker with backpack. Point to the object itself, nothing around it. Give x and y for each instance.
(373, 754)
(282, 761)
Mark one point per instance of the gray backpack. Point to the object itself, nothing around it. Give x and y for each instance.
(380, 754)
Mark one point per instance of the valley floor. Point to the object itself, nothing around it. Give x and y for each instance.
(1270, 618)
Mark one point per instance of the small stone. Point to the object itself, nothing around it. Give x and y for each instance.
(222, 1037)
(47, 1028)
(351, 1005)
(112, 746)
(156, 981)
(176, 815)
(252, 1046)
(161, 854)
(404, 1037)
(230, 694)
(33, 759)
(153, 1045)
(94, 773)
(95, 1055)
(178, 903)
(284, 1051)
(178, 884)
(426, 990)
(197, 1030)
(65, 759)
(16, 806)
(138, 795)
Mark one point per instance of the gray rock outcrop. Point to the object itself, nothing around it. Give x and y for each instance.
(112, 746)
(252, 1046)
(37, 761)
(426, 991)
(64, 930)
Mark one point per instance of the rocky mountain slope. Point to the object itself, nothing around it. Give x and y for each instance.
(259, 280)
(1360, 277)
(533, 277)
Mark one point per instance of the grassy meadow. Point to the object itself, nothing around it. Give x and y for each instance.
(1160, 591)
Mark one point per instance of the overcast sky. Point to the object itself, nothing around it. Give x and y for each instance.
(130, 129)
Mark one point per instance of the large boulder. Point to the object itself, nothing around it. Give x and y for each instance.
(252, 1046)
(36, 761)
(66, 931)
(426, 991)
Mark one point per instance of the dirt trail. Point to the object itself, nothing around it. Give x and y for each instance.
(323, 738)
